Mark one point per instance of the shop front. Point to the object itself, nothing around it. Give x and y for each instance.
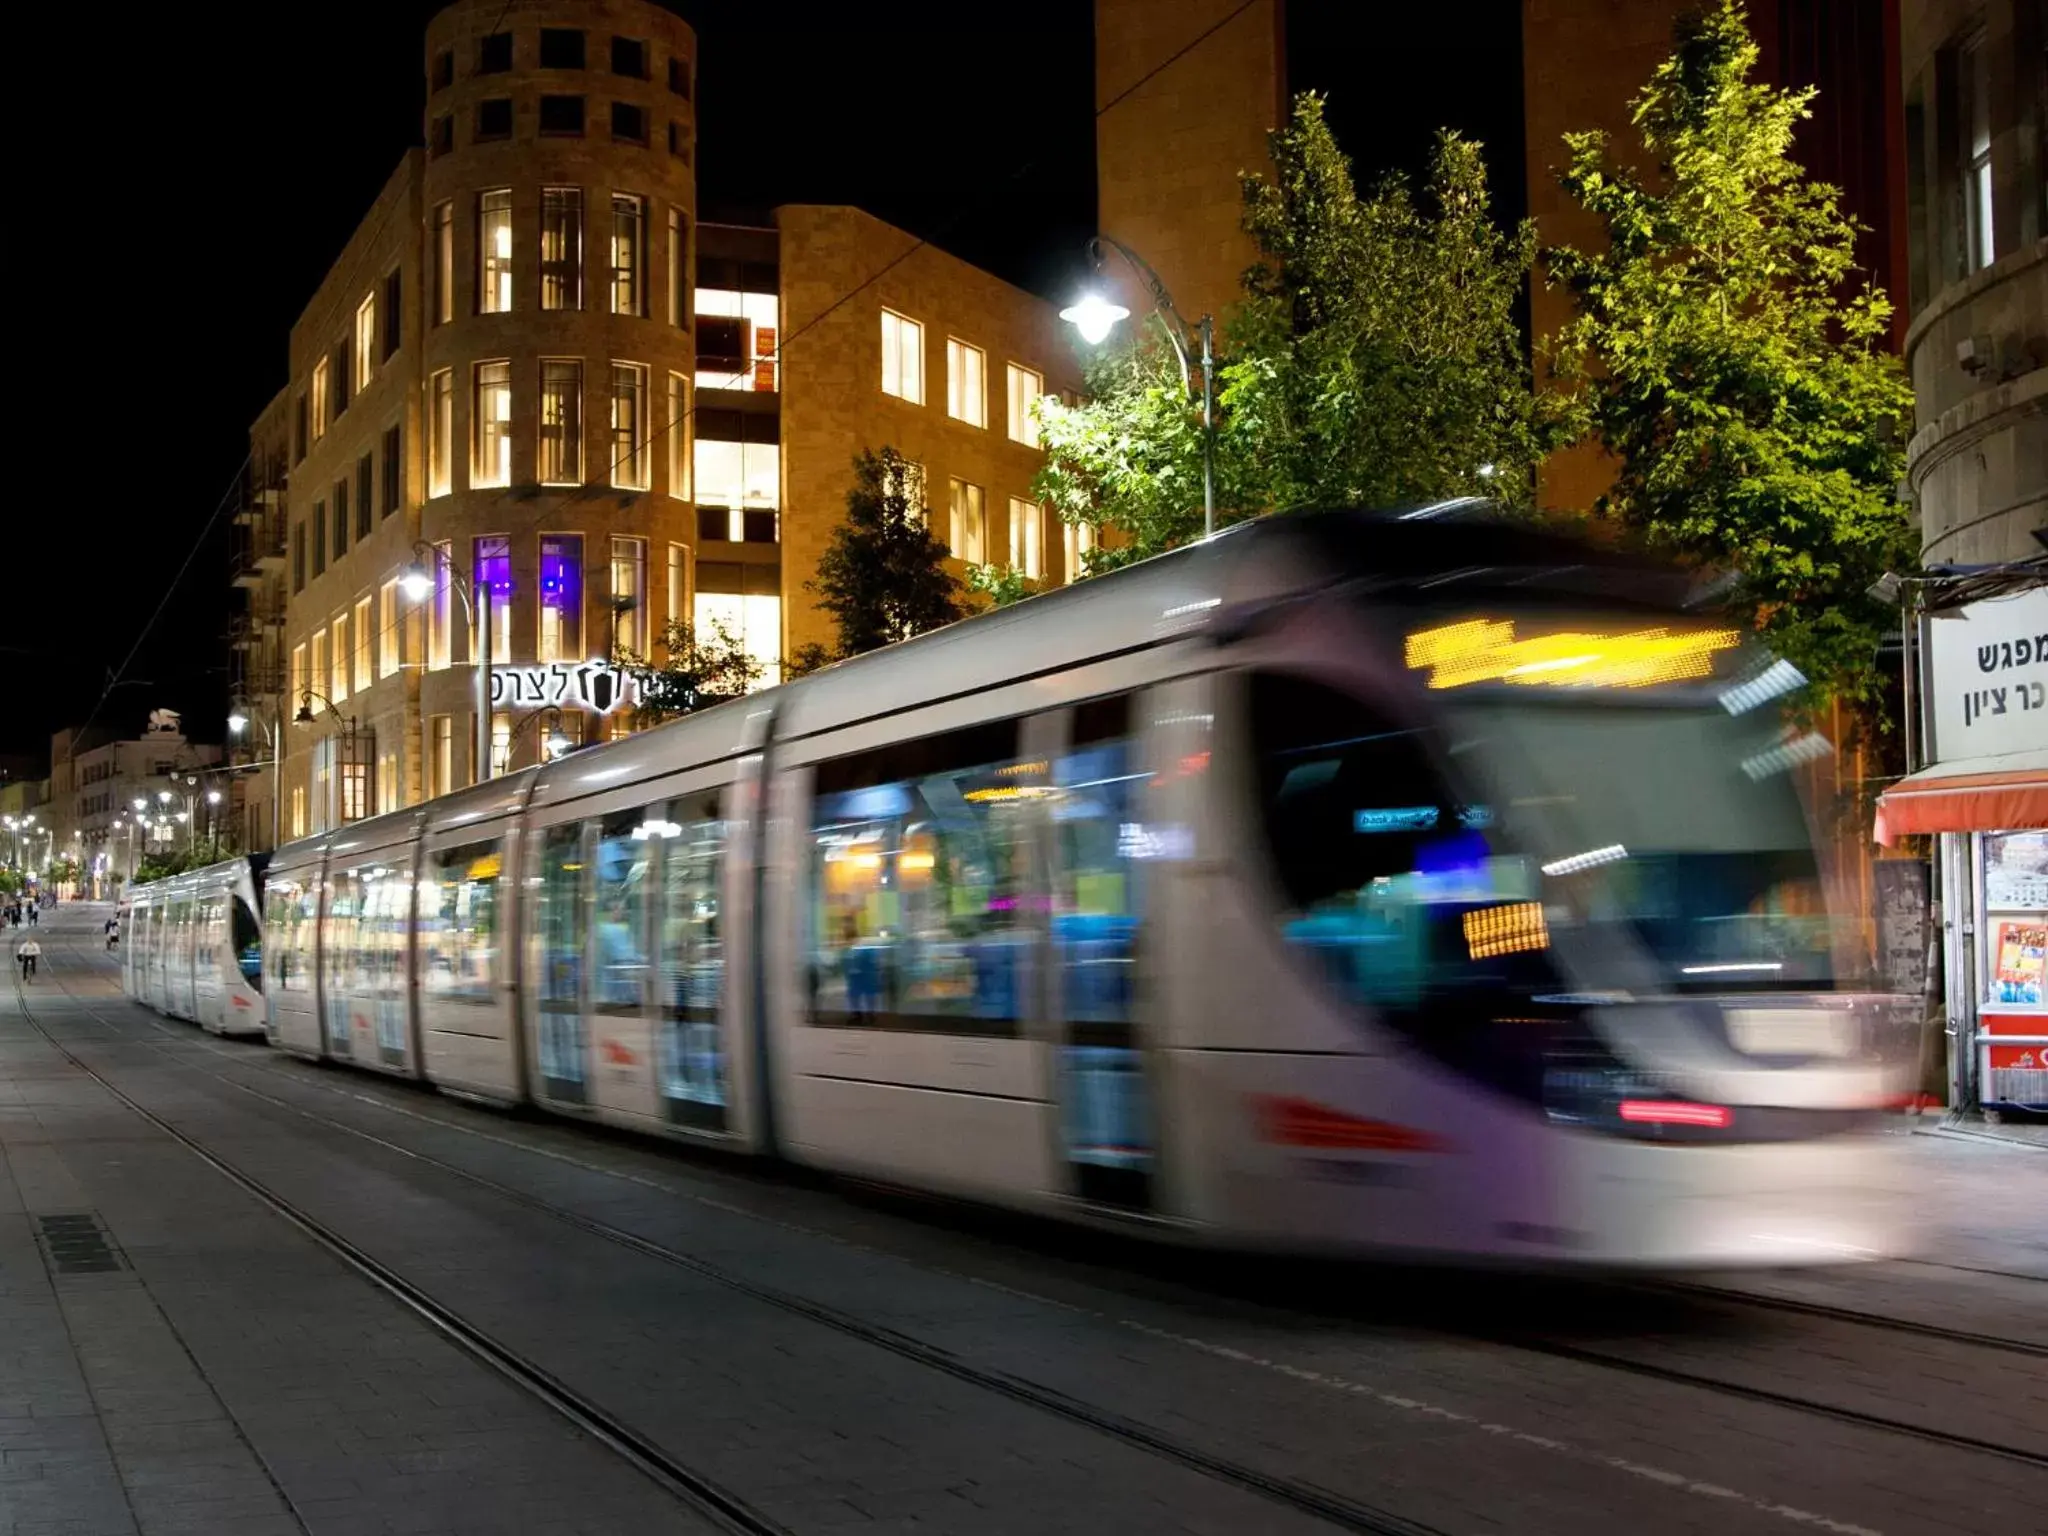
(1983, 794)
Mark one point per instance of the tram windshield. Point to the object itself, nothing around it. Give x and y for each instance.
(1661, 844)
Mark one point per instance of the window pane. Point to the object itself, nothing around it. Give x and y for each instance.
(561, 421)
(629, 426)
(969, 533)
(387, 630)
(443, 263)
(966, 392)
(459, 922)
(364, 641)
(692, 960)
(629, 595)
(921, 885)
(678, 437)
(492, 462)
(337, 951)
(561, 248)
(629, 240)
(365, 339)
(441, 433)
(559, 918)
(623, 875)
(494, 252)
(561, 597)
(493, 579)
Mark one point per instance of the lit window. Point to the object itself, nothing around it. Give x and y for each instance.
(443, 263)
(969, 539)
(388, 635)
(1077, 540)
(493, 581)
(678, 267)
(387, 782)
(561, 421)
(561, 248)
(501, 743)
(732, 480)
(629, 595)
(440, 755)
(320, 401)
(366, 339)
(298, 811)
(966, 383)
(441, 610)
(494, 252)
(561, 597)
(491, 458)
(629, 426)
(364, 638)
(316, 678)
(1025, 388)
(629, 251)
(337, 678)
(678, 583)
(298, 675)
(1027, 524)
(736, 338)
(902, 358)
(754, 618)
(440, 432)
(678, 437)
(1974, 79)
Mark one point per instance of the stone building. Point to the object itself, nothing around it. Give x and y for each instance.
(114, 799)
(536, 377)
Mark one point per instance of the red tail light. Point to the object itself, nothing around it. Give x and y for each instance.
(1713, 1117)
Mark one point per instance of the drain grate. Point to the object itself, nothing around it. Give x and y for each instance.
(78, 1245)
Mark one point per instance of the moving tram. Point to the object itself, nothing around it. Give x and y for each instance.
(192, 946)
(1344, 883)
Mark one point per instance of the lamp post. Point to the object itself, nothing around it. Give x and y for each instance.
(418, 584)
(348, 733)
(238, 722)
(1094, 316)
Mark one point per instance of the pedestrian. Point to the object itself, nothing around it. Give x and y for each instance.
(32, 919)
(113, 932)
(27, 952)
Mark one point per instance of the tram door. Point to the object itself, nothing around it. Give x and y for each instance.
(561, 936)
(1098, 853)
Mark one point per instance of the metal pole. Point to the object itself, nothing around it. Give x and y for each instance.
(1208, 434)
(482, 605)
(276, 783)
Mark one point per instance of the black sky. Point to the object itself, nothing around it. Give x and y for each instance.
(197, 195)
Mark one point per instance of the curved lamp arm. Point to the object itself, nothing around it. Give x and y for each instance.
(1177, 330)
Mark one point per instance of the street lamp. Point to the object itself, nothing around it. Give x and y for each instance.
(1095, 316)
(238, 722)
(418, 583)
(345, 781)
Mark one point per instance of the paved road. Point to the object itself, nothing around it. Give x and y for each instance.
(710, 1346)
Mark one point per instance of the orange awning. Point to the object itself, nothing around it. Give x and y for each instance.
(1934, 801)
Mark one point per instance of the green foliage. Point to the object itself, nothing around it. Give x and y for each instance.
(1731, 366)
(807, 658)
(1001, 585)
(698, 669)
(161, 864)
(1374, 360)
(883, 578)
(12, 881)
(62, 870)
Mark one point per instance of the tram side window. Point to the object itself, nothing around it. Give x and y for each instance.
(248, 941)
(624, 865)
(1102, 842)
(344, 915)
(459, 921)
(921, 884)
(290, 905)
(692, 951)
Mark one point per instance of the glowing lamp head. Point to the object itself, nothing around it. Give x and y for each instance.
(305, 714)
(417, 582)
(1094, 317)
(558, 744)
(141, 803)
(238, 722)
(213, 797)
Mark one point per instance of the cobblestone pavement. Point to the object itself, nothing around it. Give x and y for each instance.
(847, 1362)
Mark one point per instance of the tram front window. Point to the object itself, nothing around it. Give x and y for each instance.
(1454, 865)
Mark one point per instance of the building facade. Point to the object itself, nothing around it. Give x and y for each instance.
(114, 800)
(1975, 121)
(535, 379)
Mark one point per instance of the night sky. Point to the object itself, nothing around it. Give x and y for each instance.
(193, 197)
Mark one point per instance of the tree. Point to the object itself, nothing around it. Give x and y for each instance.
(163, 863)
(1001, 585)
(883, 577)
(699, 669)
(1374, 359)
(1732, 362)
(62, 871)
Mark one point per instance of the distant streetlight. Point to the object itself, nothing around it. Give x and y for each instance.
(1095, 316)
(213, 797)
(418, 583)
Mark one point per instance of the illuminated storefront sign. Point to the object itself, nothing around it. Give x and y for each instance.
(1490, 651)
(589, 685)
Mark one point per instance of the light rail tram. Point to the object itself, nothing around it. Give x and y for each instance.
(1402, 885)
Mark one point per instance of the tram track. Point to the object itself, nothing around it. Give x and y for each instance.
(1049, 1400)
(689, 1486)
